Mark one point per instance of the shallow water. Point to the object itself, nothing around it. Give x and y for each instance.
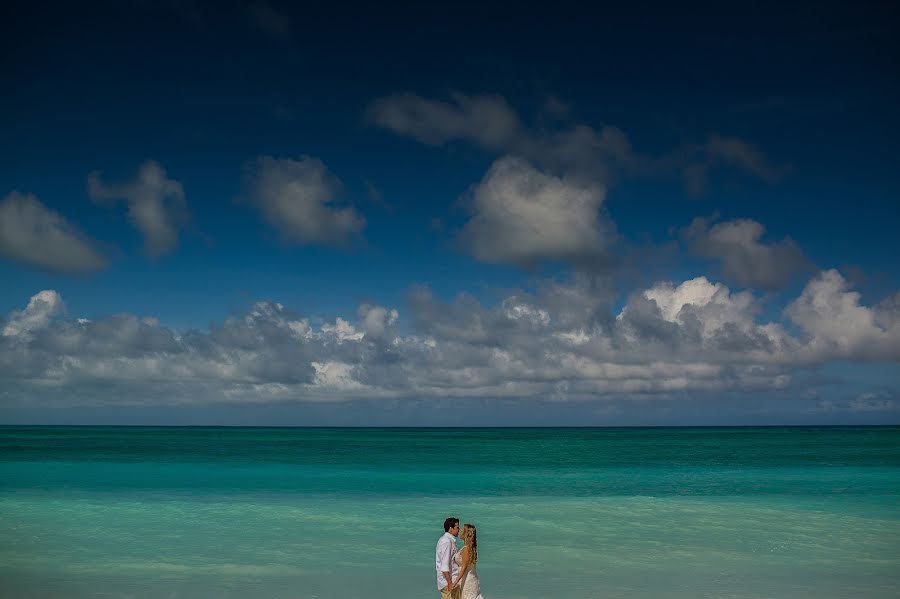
(683, 512)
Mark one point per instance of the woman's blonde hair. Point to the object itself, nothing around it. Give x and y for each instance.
(469, 536)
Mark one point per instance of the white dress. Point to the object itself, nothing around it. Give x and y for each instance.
(471, 587)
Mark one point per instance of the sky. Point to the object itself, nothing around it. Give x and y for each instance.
(266, 213)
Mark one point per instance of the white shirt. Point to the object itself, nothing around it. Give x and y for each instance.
(443, 559)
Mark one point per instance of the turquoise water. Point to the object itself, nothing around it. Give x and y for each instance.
(303, 513)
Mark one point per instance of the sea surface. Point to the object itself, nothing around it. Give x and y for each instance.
(195, 512)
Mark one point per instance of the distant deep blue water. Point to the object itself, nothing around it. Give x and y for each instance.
(342, 513)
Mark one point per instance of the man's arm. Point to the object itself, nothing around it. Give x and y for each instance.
(443, 560)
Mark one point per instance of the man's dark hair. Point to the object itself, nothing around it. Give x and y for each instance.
(450, 523)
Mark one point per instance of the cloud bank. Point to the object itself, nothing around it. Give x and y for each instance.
(564, 341)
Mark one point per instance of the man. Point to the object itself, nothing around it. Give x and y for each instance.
(447, 569)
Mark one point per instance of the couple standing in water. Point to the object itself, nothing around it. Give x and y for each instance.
(457, 577)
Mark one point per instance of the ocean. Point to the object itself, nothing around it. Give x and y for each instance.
(198, 512)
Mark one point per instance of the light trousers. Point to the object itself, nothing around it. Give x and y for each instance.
(446, 593)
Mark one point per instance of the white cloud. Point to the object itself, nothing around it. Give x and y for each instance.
(516, 309)
(37, 314)
(299, 199)
(521, 215)
(744, 258)
(713, 301)
(838, 326)
(33, 234)
(342, 330)
(336, 376)
(703, 321)
(377, 320)
(156, 205)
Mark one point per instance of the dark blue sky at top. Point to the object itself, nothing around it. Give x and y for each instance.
(200, 89)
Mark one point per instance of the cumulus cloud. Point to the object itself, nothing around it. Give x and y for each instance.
(700, 317)
(342, 330)
(837, 325)
(37, 314)
(562, 341)
(156, 205)
(521, 215)
(299, 199)
(33, 234)
(336, 376)
(377, 321)
(745, 259)
(720, 304)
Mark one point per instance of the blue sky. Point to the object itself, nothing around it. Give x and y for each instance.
(266, 213)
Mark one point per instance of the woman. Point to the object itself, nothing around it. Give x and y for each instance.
(466, 560)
